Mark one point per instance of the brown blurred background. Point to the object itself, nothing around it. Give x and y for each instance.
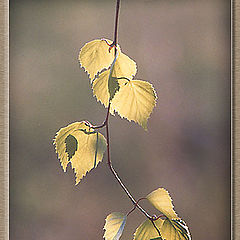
(183, 49)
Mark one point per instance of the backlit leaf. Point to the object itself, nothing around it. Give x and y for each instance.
(94, 56)
(114, 226)
(147, 231)
(113, 85)
(100, 88)
(71, 145)
(60, 142)
(135, 100)
(80, 145)
(175, 230)
(91, 147)
(161, 200)
(124, 67)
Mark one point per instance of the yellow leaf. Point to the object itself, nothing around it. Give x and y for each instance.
(114, 226)
(59, 141)
(91, 147)
(161, 200)
(175, 230)
(147, 231)
(82, 146)
(123, 67)
(94, 56)
(100, 88)
(135, 100)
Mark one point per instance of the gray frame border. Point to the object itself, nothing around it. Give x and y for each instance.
(4, 120)
(235, 118)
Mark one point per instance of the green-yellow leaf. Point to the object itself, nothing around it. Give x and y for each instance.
(94, 56)
(100, 88)
(161, 200)
(60, 142)
(82, 146)
(124, 67)
(71, 146)
(147, 231)
(113, 85)
(91, 147)
(114, 226)
(135, 100)
(175, 230)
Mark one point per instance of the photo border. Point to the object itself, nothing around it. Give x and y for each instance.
(235, 128)
(4, 119)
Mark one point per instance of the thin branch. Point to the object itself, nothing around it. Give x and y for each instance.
(106, 124)
(135, 206)
(116, 25)
(156, 227)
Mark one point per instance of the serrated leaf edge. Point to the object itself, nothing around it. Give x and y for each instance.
(175, 218)
(155, 103)
(100, 71)
(123, 224)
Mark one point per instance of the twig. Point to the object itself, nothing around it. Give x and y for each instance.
(106, 123)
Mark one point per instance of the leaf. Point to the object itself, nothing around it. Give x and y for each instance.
(175, 230)
(135, 101)
(100, 88)
(147, 231)
(94, 56)
(91, 147)
(161, 200)
(124, 67)
(71, 146)
(114, 226)
(82, 146)
(60, 142)
(113, 85)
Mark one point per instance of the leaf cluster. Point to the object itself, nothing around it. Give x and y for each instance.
(82, 146)
(112, 81)
(170, 228)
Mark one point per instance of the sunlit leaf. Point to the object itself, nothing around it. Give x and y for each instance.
(175, 230)
(94, 56)
(60, 142)
(147, 231)
(123, 68)
(161, 200)
(91, 147)
(114, 226)
(100, 88)
(135, 100)
(113, 85)
(71, 146)
(82, 146)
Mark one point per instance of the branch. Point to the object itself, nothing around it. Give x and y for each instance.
(106, 124)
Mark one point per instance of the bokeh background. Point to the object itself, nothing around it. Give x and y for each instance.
(183, 49)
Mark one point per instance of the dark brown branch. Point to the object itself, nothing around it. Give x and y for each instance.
(106, 124)
(116, 25)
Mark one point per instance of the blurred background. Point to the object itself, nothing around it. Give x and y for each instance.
(183, 49)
